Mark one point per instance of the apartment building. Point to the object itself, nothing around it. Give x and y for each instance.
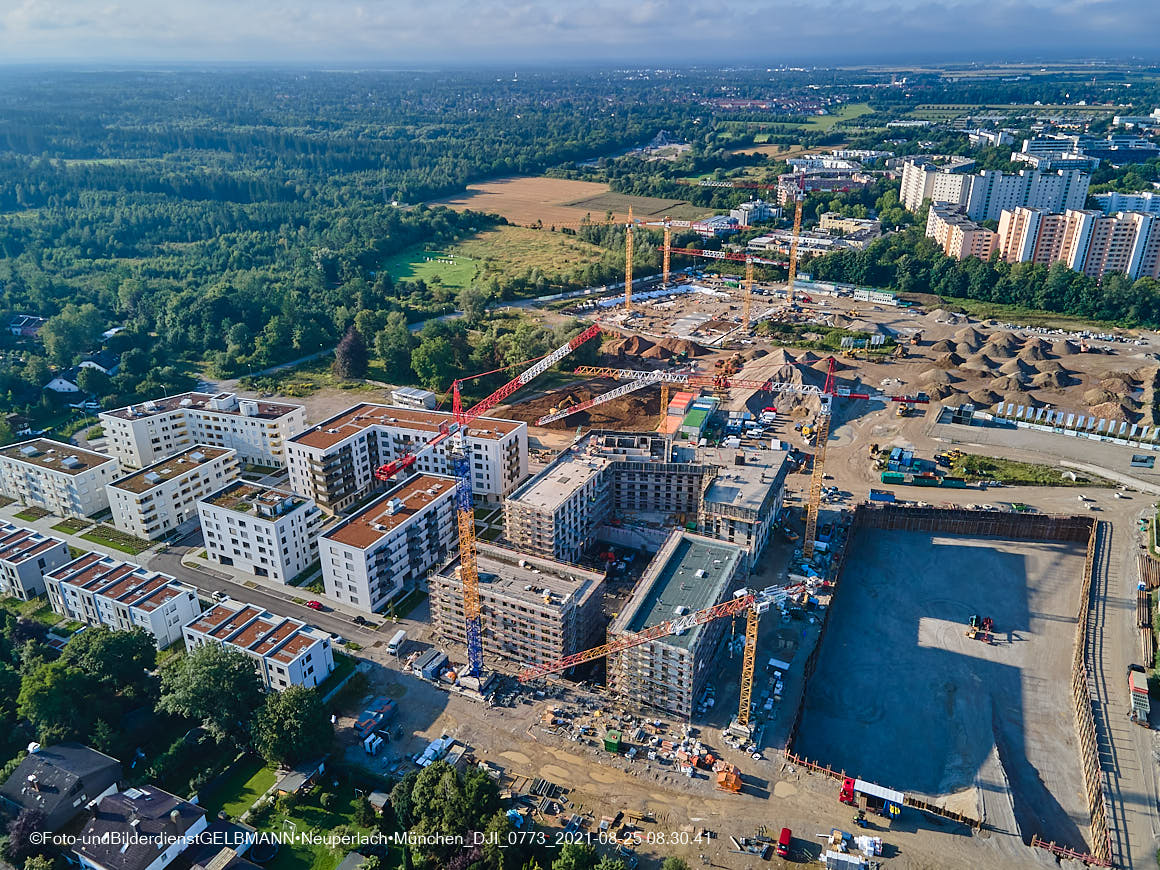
(741, 501)
(334, 462)
(1147, 202)
(25, 557)
(791, 184)
(1086, 240)
(1032, 235)
(162, 497)
(832, 222)
(984, 195)
(60, 478)
(957, 235)
(558, 513)
(286, 652)
(689, 573)
(266, 531)
(533, 610)
(101, 590)
(385, 549)
(140, 435)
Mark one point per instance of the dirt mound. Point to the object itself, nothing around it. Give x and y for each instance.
(984, 396)
(1113, 411)
(1063, 347)
(823, 365)
(657, 351)
(979, 362)
(938, 391)
(1040, 344)
(964, 350)
(1003, 339)
(949, 361)
(632, 345)
(937, 376)
(970, 335)
(626, 413)
(941, 315)
(1018, 367)
(1052, 380)
(1007, 384)
(1032, 353)
(753, 353)
(1096, 396)
(944, 345)
(1051, 366)
(685, 347)
(779, 357)
(1116, 386)
(1018, 398)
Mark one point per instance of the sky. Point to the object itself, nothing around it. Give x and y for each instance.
(619, 32)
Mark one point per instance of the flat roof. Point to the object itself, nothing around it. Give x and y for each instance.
(176, 466)
(125, 582)
(690, 572)
(365, 415)
(53, 455)
(243, 497)
(390, 510)
(19, 544)
(501, 574)
(262, 633)
(202, 402)
(552, 486)
(748, 485)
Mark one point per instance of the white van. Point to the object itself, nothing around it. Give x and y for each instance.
(396, 642)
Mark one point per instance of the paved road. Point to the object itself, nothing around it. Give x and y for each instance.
(332, 621)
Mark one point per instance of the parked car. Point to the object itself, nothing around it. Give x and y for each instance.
(315, 605)
(783, 843)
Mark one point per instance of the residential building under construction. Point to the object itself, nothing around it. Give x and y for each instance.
(689, 573)
(534, 610)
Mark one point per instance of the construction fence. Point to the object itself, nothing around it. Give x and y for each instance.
(1012, 526)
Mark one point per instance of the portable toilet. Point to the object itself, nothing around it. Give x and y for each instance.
(612, 741)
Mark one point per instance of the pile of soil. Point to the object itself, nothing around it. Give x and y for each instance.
(657, 351)
(979, 362)
(1006, 384)
(943, 346)
(937, 376)
(1052, 380)
(938, 391)
(1051, 366)
(1002, 345)
(1097, 396)
(1114, 411)
(1063, 347)
(1018, 367)
(1115, 385)
(1025, 399)
(970, 335)
(963, 349)
(983, 396)
(1032, 353)
(683, 346)
(631, 346)
(949, 361)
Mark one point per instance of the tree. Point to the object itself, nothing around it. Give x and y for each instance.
(351, 356)
(37, 862)
(575, 856)
(402, 801)
(21, 831)
(94, 381)
(121, 660)
(472, 302)
(393, 345)
(216, 686)
(607, 863)
(61, 701)
(364, 813)
(76, 329)
(674, 863)
(434, 362)
(291, 726)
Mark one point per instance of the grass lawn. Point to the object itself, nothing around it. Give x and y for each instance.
(451, 266)
(407, 604)
(343, 665)
(117, 540)
(238, 791)
(32, 513)
(36, 608)
(72, 526)
(509, 252)
(825, 123)
(1010, 472)
(1005, 313)
(309, 816)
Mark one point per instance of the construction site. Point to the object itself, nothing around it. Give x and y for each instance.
(712, 595)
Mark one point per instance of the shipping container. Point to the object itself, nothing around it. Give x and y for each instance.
(893, 477)
(920, 480)
(881, 495)
(954, 482)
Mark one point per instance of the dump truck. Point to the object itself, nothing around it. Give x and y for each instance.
(1138, 689)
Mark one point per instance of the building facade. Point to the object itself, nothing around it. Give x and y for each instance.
(101, 590)
(140, 435)
(384, 550)
(741, 501)
(266, 531)
(162, 497)
(1147, 202)
(689, 573)
(334, 462)
(533, 610)
(286, 652)
(141, 828)
(957, 235)
(1086, 240)
(60, 478)
(25, 557)
(985, 195)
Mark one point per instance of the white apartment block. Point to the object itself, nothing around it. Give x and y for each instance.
(334, 462)
(286, 652)
(25, 557)
(265, 531)
(101, 590)
(139, 435)
(388, 547)
(1147, 202)
(160, 498)
(60, 478)
(986, 194)
(1087, 240)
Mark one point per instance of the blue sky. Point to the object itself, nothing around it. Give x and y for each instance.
(622, 32)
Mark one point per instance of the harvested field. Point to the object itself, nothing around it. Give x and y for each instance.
(994, 720)
(561, 202)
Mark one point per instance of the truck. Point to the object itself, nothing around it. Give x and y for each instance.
(396, 642)
(1138, 689)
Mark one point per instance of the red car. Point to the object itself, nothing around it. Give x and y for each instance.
(315, 605)
(783, 843)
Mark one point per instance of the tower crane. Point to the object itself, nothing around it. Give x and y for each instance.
(752, 603)
(799, 202)
(459, 452)
(628, 263)
(825, 394)
(748, 259)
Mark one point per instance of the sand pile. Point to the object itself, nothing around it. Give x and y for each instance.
(1025, 399)
(1097, 396)
(980, 362)
(949, 361)
(1032, 353)
(938, 391)
(941, 315)
(1007, 384)
(970, 335)
(984, 396)
(1113, 411)
(964, 350)
(1063, 347)
(1018, 367)
(1051, 366)
(937, 376)
(1116, 386)
(632, 346)
(685, 347)
(1052, 380)
(944, 345)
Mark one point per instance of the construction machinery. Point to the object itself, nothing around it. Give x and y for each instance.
(753, 604)
(454, 435)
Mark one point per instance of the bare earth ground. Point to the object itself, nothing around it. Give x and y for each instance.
(897, 673)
